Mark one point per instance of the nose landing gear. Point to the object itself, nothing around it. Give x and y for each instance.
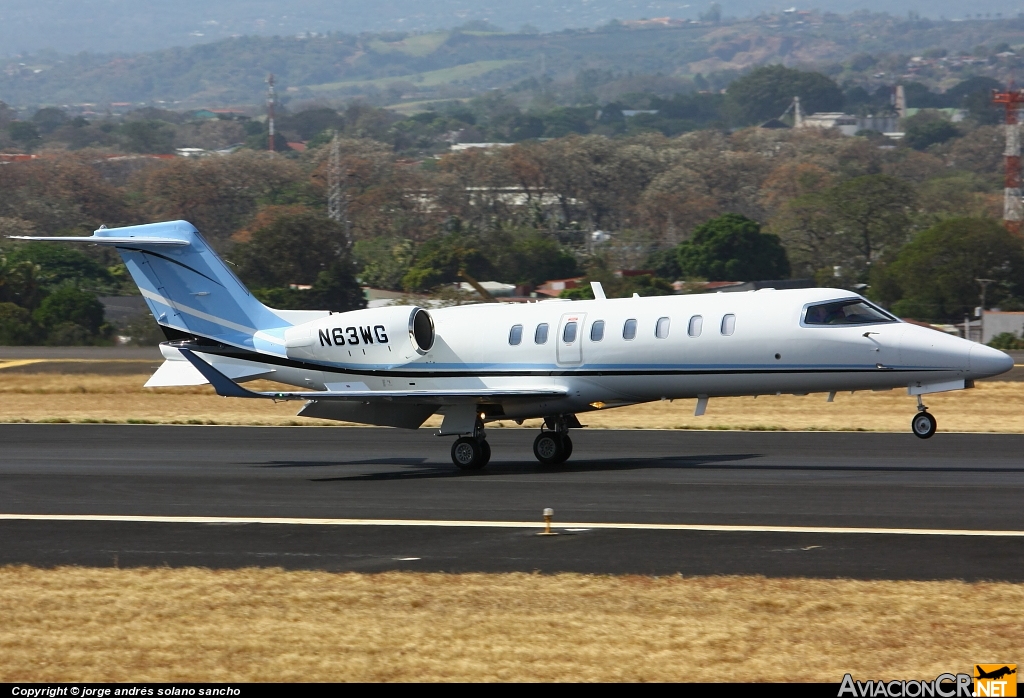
(923, 424)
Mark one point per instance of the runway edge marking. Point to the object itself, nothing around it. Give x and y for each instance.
(720, 528)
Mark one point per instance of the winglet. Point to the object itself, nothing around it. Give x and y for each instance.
(224, 386)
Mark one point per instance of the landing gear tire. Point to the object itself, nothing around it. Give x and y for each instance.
(548, 448)
(552, 448)
(923, 425)
(469, 453)
(566, 448)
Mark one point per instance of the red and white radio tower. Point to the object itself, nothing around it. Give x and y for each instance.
(1013, 210)
(271, 99)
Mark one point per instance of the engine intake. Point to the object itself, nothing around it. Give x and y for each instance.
(421, 330)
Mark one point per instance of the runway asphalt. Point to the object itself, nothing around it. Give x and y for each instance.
(954, 485)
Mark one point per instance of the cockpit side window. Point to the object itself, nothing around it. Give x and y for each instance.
(848, 312)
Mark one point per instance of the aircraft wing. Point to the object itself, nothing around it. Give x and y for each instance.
(228, 388)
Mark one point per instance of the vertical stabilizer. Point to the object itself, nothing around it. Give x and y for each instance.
(186, 285)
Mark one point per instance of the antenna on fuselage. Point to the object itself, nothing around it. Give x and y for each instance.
(598, 290)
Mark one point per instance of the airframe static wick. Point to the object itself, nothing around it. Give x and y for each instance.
(554, 359)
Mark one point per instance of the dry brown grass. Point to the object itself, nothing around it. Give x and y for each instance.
(47, 397)
(75, 624)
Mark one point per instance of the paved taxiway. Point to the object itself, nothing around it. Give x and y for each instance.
(960, 483)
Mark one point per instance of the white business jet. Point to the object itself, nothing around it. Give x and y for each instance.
(554, 359)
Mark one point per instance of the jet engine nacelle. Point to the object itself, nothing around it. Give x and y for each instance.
(379, 336)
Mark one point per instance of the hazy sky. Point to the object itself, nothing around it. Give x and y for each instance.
(70, 26)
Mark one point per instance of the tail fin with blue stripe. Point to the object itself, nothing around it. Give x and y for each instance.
(189, 288)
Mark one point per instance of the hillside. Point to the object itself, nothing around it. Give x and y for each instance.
(405, 67)
(72, 26)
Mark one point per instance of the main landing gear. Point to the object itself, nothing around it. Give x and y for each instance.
(471, 452)
(923, 424)
(551, 447)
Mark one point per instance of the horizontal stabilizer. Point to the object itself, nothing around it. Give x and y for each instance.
(96, 240)
(177, 372)
(228, 388)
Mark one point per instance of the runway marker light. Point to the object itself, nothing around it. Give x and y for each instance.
(548, 514)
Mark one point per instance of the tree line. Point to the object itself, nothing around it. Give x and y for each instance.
(911, 227)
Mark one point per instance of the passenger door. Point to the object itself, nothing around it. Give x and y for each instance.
(569, 340)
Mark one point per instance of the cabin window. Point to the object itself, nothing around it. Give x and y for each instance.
(516, 335)
(728, 324)
(696, 324)
(569, 333)
(597, 331)
(541, 335)
(661, 329)
(629, 329)
(848, 312)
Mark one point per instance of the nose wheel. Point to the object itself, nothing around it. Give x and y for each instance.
(923, 425)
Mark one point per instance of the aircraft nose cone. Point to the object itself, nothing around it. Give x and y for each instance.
(986, 361)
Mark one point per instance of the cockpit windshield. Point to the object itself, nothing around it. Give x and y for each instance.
(848, 312)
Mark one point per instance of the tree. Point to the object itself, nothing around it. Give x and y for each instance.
(383, 261)
(61, 264)
(733, 248)
(49, 119)
(531, 258)
(293, 246)
(441, 259)
(765, 93)
(16, 325)
(24, 132)
(807, 229)
(925, 129)
(217, 195)
(873, 213)
(934, 276)
(148, 137)
(310, 122)
(70, 316)
(20, 284)
(975, 95)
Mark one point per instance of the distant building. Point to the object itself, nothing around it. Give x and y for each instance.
(739, 286)
(495, 288)
(483, 146)
(995, 322)
(850, 125)
(554, 287)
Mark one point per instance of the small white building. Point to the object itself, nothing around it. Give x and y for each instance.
(850, 125)
(495, 288)
(994, 322)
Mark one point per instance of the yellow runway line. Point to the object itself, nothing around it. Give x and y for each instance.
(509, 524)
(14, 363)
